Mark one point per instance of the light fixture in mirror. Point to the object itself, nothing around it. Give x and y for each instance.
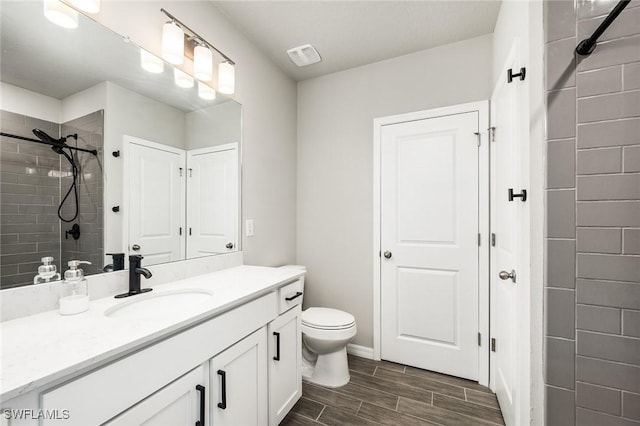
(60, 14)
(182, 79)
(226, 77)
(202, 63)
(89, 6)
(150, 62)
(172, 43)
(206, 92)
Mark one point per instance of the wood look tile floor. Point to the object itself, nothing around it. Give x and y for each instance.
(384, 393)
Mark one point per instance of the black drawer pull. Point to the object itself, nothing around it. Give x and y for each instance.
(289, 299)
(223, 405)
(277, 357)
(203, 399)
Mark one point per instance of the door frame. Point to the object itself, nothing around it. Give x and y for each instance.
(482, 107)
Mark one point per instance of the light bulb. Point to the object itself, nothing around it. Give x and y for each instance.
(89, 6)
(202, 63)
(182, 79)
(172, 43)
(60, 14)
(150, 62)
(226, 78)
(206, 92)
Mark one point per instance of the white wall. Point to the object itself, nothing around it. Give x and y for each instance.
(216, 125)
(523, 21)
(335, 165)
(85, 102)
(21, 101)
(268, 99)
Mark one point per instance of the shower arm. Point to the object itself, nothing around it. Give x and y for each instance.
(64, 145)
(588, 45)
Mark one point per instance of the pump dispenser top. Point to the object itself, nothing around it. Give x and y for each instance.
(46, 272)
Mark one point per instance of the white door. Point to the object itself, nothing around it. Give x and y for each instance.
(212, 206)
(155, 186)
(429, 243)
(178, 403)
(238, 381)
(506, 225)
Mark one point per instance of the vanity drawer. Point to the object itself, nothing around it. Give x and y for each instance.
(290, 295)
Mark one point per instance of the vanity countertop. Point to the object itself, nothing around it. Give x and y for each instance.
(41, 349)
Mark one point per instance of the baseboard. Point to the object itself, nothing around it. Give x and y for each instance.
(361, 351)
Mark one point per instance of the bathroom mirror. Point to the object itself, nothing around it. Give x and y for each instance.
(164, 181)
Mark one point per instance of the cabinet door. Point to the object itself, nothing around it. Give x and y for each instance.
(238, 378)
(285, 369)
(178, 403)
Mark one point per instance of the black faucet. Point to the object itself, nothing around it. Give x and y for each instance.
(117, 264)
(135, 270)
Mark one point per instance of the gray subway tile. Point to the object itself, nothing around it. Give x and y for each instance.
(615, 52)
(631, 323)
(598, 398)
(561, 114)
(561, 217)
(560, 405)
(561, 263)
(599, 82)
(631, 405)
(606, 373)
(561, 159)
(631, 241)
(608, 347)
(599, 240)
(18, 248)
(598, 318)
(608, 293)
(560, 64)
(560, 19)
(608, 267)
(627, 24)
(609, 107)
(599, 161)
(609, 133)
(610, 187)
(560, 362)
(586, 417)
(560, 313)
(631, 76)
(609, 213)
(631, 159)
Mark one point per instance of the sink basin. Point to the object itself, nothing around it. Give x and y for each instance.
(158, 303)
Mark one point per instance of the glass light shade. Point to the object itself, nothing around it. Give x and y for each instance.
(206, 92)
(60, 14)
(226, 78)
(202, 63)
(172, 43)
(182, 79)
(150, 62)
(89, 6)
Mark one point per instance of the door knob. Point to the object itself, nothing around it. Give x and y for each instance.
(135, 247)
(229, 246)
(388, 254)
(504, 275)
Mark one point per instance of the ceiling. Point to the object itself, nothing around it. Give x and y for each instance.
(348, 34)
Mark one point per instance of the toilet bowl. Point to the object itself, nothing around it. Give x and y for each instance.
(325, 334)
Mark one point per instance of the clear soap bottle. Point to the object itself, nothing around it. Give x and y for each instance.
(74, 292)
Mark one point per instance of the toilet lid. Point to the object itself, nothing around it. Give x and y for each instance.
(327, 318)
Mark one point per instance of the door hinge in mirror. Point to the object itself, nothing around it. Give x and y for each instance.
(493, 344)
(493, 239)
(479, 339)
(478, 135)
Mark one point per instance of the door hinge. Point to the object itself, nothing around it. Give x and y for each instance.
(479, 240)
(180, 171)
(479, 339)
(492, 134)
(493, 344)
(189, 231)
(181, 230)
(493, 239)
(478, 135)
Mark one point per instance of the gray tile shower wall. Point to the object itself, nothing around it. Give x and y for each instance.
(29, 198)
(592, 276)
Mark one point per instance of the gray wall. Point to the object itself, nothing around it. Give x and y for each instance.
(335, 161)
(593, 218)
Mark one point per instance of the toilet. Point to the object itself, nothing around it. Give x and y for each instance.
(325, 334)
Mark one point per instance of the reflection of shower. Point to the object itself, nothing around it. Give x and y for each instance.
(60, 146)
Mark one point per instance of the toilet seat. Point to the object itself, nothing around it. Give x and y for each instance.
(327, 319)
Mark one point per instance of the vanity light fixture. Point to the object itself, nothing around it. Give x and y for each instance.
(205, 92)
(60, 14)
(150, 62)
(202, 53)
(182, 79)
(89, 6)
(172, 43)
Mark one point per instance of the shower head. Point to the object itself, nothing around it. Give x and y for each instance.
(56, 144)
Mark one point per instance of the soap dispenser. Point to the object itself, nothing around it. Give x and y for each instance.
(74, 293)
(46, 272)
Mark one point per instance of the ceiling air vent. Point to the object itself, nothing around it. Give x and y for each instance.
(304, 55)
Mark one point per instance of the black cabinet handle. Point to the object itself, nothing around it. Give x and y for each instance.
(289, 299)
(223, 405)
(203, 399)
(277, 357)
